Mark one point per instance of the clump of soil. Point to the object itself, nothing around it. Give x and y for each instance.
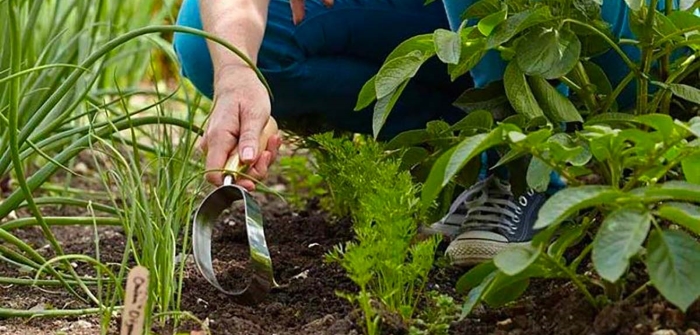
(305, 303)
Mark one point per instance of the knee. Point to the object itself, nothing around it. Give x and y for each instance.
(191, 50)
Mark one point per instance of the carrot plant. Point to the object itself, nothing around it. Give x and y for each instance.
(631, 169)
(386, 263)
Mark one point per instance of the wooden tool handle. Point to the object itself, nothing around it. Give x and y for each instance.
(234, 162)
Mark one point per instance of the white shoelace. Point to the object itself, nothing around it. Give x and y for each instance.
(489, 207)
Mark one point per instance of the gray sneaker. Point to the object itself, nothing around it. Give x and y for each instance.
(485, 220)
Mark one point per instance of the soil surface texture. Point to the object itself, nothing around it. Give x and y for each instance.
(306, 301)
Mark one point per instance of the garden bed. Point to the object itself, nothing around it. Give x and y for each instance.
(306, 302)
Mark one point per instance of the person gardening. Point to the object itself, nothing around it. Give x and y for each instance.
(317, 54)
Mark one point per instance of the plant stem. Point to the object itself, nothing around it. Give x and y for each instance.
(647, 50)
(46, 282)
(61, 221)
(618, 90)
(585, 92)
(13, 112)
(574, 278)
(19, 313)
(637, 292)
(612, 43)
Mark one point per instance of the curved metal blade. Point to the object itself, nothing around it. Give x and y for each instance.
(260, 261)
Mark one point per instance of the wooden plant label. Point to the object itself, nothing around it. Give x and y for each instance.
(135, 301)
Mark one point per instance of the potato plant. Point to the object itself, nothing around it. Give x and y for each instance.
(632, 173)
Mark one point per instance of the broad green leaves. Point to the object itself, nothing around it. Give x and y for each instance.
(452, 161)
(519, 93)
(570, 200)
(672, 262)
(672, 190)
(691, 168)
(516, 24)
(538, 175)
(548, 53)
(396, 71)
(684, 214)
(620, 238)
(487, 24)
(686, 92)
(635, 5)
(448, 46)
(555, 105)
(515, 260)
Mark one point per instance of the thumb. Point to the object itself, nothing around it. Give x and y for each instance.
(252, 124)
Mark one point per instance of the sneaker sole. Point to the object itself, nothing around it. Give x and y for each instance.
(469, 252)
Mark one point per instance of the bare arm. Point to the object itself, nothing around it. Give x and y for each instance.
(241, 23)
(241, 101)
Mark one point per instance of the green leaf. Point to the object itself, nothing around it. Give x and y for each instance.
(563, 148)
(480, 119)
(619, 238)
(505, 290)
(448, 45)
(367, 95)
(570, 200)
(684, 20)
(475, 295)
(661, 122)
(396, 72)
(413, 156)
(548, 53)
(470, 55)
(553, 103)
(598, 78)
(482, 9)
(686, 92)
(433, 184)
(424, 44)
(672, 190)
(672, 262)
(538, 175)
(693, 126)
(519, 93)
(682, 213)
(383, 107)
(474, 277)
(488, 98)
(487, 24)
(450, 162)
(468, 149)
(516, 24)
(515, 260)
(569, 235)
(409, 138)
(608, 118)
(635, 5)
(691, 168)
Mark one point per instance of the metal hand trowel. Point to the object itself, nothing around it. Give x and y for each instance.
(262, 279)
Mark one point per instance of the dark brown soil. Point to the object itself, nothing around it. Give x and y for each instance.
(307, 303)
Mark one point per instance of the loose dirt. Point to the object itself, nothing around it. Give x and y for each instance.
(307, 303)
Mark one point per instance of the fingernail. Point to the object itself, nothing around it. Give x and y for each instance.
(247, 154)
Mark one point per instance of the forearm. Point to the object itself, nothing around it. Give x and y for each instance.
(241, 23)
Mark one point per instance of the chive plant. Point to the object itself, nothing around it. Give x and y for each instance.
(68, 74)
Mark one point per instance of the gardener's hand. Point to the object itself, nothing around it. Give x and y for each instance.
(241, 110)
(298, 10)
